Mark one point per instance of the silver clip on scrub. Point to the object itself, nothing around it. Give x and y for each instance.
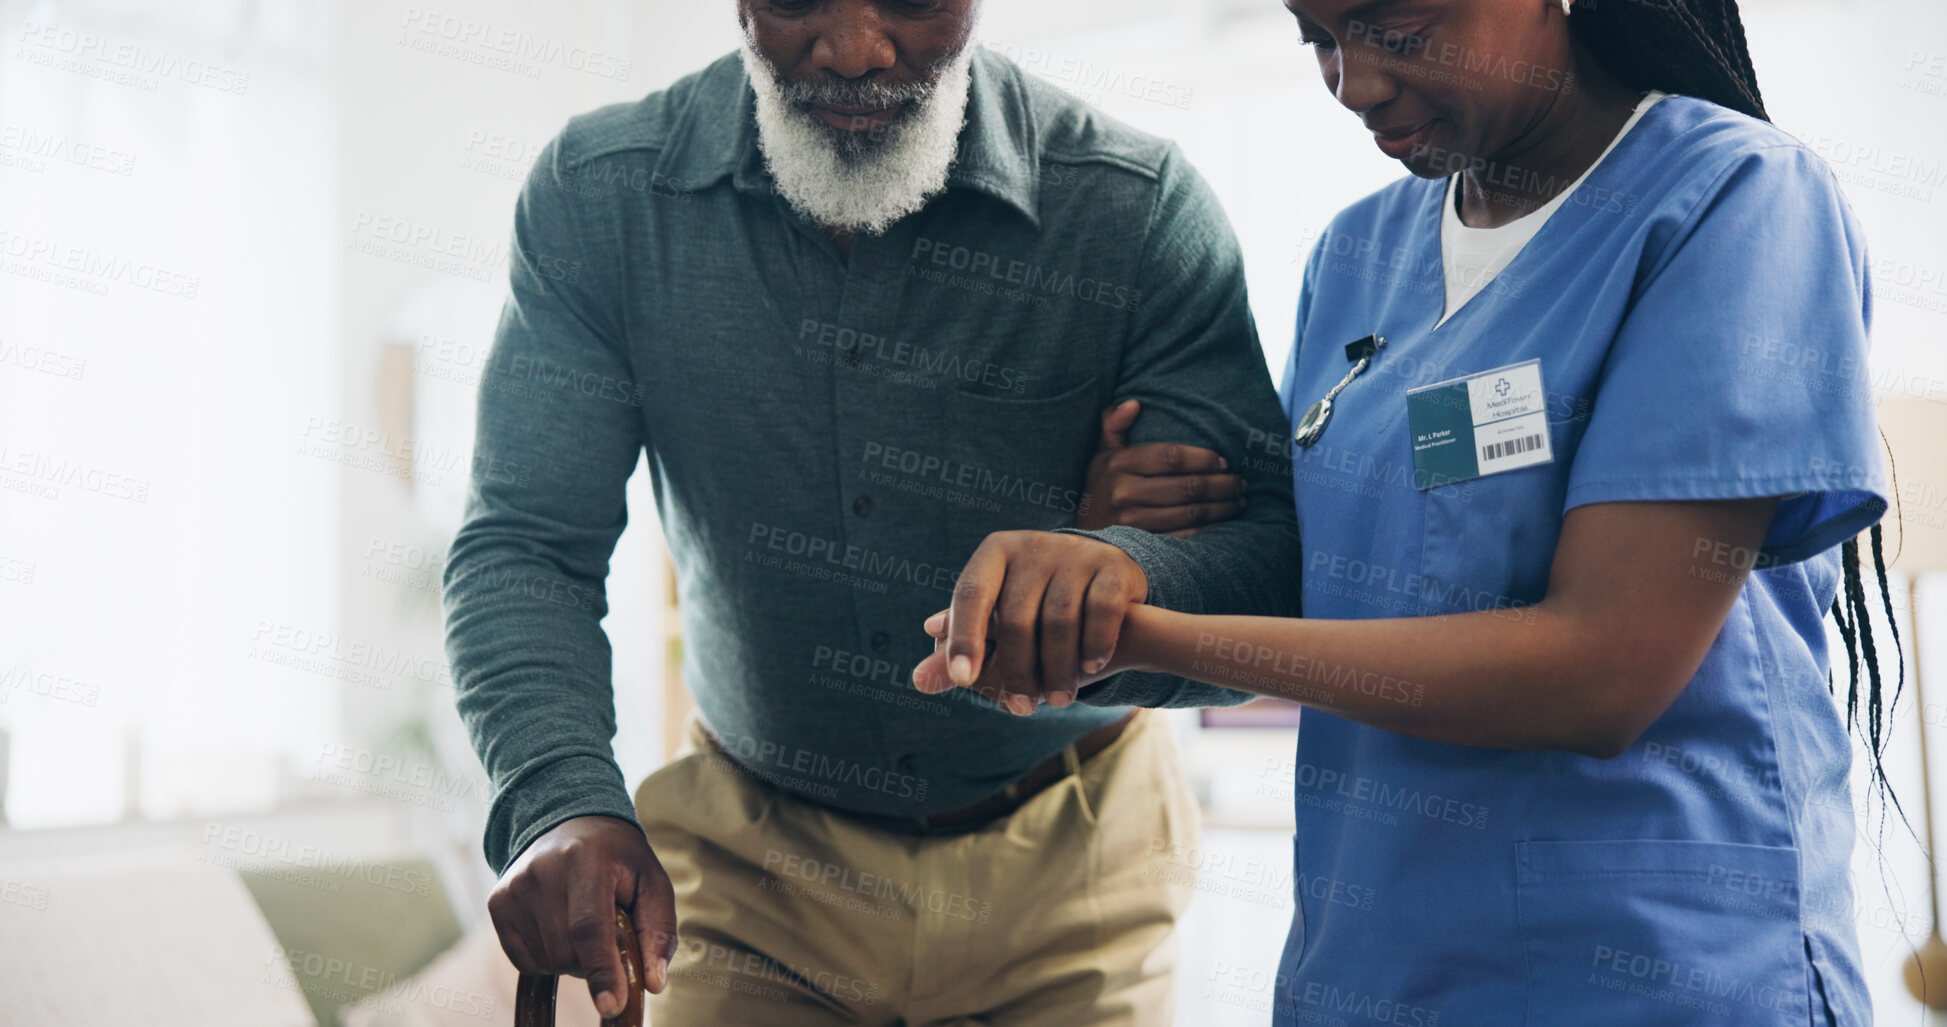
(1312, 425)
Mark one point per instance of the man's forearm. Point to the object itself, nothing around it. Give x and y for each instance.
(531, 679)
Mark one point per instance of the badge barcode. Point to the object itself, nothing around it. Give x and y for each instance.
(1497, 450)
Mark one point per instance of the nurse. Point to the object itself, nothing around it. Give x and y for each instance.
(1583, 433)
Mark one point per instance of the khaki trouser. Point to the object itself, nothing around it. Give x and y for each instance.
(792, 913)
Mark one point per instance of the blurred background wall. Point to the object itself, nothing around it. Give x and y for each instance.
(251, 254)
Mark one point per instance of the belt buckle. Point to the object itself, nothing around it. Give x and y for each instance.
(1071, 764)
(926, 827)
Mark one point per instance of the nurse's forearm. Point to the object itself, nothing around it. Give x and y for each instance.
(1522, 678)
(1636, 595)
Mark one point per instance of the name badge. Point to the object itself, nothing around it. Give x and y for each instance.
(1482, 424)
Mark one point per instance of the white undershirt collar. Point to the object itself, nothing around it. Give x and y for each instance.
(1473, 257)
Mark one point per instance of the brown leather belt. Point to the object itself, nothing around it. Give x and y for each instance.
(1014, 796)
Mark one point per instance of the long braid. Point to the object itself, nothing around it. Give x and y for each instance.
(1734, 32)
(1698, 48)
(1692, 47)
(1859, 616)
(1892, 621)
(1848, 628)
(1851, 611)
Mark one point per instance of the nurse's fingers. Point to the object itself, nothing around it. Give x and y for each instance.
(1116, 422)
(929, 674)
(1137, 489)
(1153, 459)
(1166, 520)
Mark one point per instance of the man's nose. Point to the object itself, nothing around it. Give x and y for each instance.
(854, 41)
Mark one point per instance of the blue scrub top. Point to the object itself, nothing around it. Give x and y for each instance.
(1700, 310)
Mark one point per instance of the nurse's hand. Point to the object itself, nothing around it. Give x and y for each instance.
(1035, 615)
(1163, 487)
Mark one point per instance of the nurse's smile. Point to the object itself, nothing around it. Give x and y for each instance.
(1400, 143)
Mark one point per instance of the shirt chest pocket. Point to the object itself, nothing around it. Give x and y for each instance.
(1490, 541)
(1016, 462)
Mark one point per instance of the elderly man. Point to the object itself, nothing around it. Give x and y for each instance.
(862, 292)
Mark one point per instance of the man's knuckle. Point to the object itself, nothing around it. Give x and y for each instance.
(586, 926)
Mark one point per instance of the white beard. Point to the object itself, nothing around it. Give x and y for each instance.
(860, 181)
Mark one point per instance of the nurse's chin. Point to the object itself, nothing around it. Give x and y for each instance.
(1425, 171)
(1432, 162)
(1415, 148)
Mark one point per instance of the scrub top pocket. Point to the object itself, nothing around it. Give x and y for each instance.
(1648, 931)
(1016, 462)
(1490, 541)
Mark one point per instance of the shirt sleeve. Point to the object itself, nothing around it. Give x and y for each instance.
(1195, 362)
(523, 588)
(1739, 370)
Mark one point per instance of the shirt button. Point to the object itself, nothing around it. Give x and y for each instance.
(881, 641)
(862, 505)
(904, 763)
(852, 357)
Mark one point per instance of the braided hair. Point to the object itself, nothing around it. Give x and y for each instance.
(1697, 48)
(1692, 47)
(1850, 609)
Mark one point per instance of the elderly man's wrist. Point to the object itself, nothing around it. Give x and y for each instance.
(1137, 583)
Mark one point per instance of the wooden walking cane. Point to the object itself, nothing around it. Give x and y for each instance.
(534, 995)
